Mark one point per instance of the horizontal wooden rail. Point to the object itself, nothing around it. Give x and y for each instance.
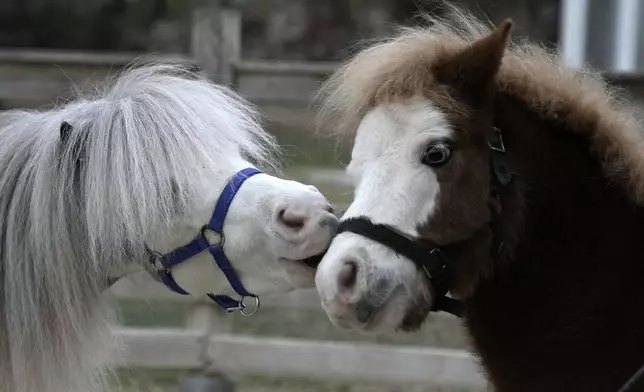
(292, 68)
(239, 355)
(49, 57)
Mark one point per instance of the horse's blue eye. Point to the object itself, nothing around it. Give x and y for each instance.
(437, 154)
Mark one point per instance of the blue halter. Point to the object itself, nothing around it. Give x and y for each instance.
(164, 263)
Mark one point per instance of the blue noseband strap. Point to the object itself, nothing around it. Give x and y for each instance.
(164, 263)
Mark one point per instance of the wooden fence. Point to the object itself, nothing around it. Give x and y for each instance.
(206, 344)
(36, 78)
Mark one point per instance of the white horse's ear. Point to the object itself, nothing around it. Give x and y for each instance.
(77, 148)
(65, 130)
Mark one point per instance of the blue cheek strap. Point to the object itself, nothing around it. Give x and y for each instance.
(164, 263)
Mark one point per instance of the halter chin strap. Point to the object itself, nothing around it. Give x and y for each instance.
(164, 263)
(434, 261)
(437, 262)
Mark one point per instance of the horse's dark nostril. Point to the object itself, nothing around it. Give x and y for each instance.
(291, 220)
(348, 275)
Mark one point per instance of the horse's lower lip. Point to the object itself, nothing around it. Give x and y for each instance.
(376, 315)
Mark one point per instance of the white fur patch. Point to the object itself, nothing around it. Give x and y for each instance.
(392, 186)
(257, 248)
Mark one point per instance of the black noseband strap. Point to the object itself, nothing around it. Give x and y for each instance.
(426, 257)
(433, 261)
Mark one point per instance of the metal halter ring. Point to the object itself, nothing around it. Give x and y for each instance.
(222, 238)
(242, 306)
(496, 141)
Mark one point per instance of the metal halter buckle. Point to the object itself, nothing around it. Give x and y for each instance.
(496, 141)
(155, 260)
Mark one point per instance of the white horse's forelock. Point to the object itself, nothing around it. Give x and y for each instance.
(139, 154)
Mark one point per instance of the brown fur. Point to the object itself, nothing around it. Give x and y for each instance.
(562, 309)
(580, 99)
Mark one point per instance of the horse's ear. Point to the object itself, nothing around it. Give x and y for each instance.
(77, 149)
(65, 130)
(475, 67)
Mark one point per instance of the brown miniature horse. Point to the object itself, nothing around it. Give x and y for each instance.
(515, 182)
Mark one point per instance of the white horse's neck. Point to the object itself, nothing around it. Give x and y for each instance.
(135, 279)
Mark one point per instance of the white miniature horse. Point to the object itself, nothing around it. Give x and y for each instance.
(93, 188)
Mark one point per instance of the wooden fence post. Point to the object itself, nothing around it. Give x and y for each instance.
(231, 48)
(215, 41)
(205, 38)
(205, 318)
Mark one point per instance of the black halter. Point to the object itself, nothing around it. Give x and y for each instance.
(436, 262)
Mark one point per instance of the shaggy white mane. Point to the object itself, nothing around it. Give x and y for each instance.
(140, 151)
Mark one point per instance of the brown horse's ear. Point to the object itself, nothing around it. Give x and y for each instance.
(475, 67)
